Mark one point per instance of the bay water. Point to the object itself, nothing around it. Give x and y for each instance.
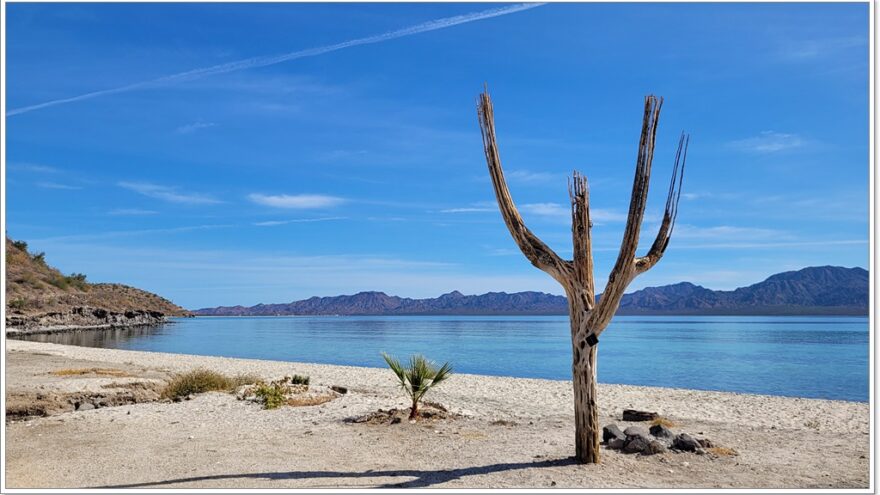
(817, 357)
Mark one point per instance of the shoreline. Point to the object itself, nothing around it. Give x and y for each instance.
(506, 432)
(171, 320)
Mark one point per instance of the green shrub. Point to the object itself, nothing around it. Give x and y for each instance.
(298, 380)
(20, 245)
(39, 258)
(272, 395)
(77, 280)
(60, 282)
(19, 303)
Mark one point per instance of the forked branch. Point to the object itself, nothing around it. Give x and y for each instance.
(531, 246)
(646, 262)
(628, 266)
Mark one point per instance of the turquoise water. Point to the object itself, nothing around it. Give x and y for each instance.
(822, 357)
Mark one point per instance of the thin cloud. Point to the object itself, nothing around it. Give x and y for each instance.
(768, 142)
(275, 223)
(195, 126)
(264, 61)
(467, 210)
(131, 233)
(170, 194)
(296, 201)
(530, 177)
(55, 185)
(32, 167)
(810, 50)
(558, 211)
(132, 212)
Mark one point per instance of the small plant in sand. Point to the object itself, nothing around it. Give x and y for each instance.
(274, 393)
(416, 379)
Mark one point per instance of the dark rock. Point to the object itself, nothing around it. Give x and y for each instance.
(396, 420)
(611, 432)
(705, 443)
(616, 443)
(636, 431)
(637, 444)
(685, 442)
(634, 415)
(338, 389)
(661, 431)
(654, 447)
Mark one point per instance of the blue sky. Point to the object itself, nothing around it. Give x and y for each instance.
(362, 168)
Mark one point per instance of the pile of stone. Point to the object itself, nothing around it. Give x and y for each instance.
(656, 440)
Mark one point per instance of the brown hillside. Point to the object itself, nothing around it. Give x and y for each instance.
(35, 288)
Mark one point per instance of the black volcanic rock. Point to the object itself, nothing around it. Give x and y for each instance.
(815, 290)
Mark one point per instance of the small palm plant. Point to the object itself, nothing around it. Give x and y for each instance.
(416, 379)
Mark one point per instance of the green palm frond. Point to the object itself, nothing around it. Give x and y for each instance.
(420, 376)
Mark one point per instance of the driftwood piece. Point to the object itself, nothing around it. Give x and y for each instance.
(588, 317)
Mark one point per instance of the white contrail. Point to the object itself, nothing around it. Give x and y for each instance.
(265, 60)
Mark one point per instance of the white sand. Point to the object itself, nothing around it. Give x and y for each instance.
(217, 441)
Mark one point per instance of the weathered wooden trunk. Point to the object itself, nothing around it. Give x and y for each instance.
(589, 318)
(586, 407)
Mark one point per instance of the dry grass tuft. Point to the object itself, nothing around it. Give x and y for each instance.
(201, 380)
(722, 451)
(309, 401)
(91, 371)
(663, 422)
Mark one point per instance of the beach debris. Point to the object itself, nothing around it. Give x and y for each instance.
(610, 432)
(395, 416)
(638, 439)
(706, 443)
(339, 389)
(503, 422)
(660, 431)
(636, 431)
(635, 415)
(685, 442)
(635, 444)
(616, 443)
(654, 447)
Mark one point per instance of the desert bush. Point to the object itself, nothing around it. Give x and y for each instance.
(272, 395)
(19, 303)
(20, 245)
(39, 257)
(60, 282)
(416, 379)
(201, 380)
(298, 380)
(77, 280)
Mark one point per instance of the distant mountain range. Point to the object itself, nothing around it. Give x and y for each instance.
(824, 290)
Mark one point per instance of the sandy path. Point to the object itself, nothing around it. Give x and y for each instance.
(217, 441)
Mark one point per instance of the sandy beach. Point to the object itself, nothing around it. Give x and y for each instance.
(510, 432)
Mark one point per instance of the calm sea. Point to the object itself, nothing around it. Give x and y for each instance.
(823, 357)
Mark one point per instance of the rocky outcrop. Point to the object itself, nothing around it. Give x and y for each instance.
(79, 318)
